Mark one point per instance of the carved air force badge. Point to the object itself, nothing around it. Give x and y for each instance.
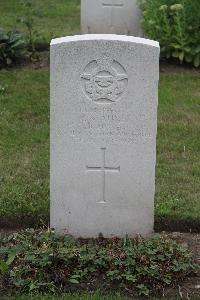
(104, 80)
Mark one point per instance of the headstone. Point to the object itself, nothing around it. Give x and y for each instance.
(103, 134)
(111, 16)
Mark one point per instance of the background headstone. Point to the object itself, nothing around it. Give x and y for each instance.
(103, 134)
(111, 16)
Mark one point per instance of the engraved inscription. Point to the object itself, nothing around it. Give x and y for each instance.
(112, 5)
(108, 125)
(103, 169)
(104, 80)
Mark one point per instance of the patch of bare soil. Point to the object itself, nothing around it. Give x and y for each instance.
(16, 222)
(175, 67)
(41, 60)
(171, 225)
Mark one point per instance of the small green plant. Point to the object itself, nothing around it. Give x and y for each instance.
(28, 20)
(176, 25)
(41, 261)
(12, 47)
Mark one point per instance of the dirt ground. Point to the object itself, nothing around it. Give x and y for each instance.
(175, 67)
(42, 60)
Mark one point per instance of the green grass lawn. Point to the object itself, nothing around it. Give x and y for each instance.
(24, 145)
(24, 125)
(178, 147)
(24, 142)
(52, 18)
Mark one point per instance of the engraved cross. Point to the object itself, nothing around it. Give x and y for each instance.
(112, 4)
(103, 169)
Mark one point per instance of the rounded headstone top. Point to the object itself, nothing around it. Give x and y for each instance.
(107, 37)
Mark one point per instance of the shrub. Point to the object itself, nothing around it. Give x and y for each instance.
(12, 46)
(41, 261)
(176, 25)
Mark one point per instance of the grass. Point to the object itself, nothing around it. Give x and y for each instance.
(64, 13)
(24, 142)
(24, 145)
(24, 125)
(178, 146)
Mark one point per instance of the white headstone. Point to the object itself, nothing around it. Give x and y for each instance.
(111, 16)
(103, 134)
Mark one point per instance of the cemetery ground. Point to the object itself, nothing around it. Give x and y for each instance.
(24, 141)
(24, 123)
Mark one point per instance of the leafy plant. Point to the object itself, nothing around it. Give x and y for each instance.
(28, 20)
(41, 261)
(12, 46)
(176, 25)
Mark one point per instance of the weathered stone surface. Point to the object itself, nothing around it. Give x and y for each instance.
(111, 16)
(103, 134)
